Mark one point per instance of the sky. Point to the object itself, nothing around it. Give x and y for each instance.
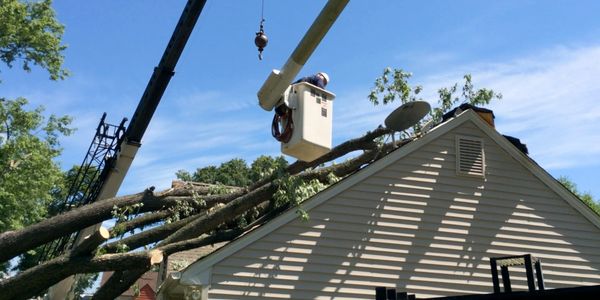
(543, 56)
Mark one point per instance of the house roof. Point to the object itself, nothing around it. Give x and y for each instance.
(198, 273)
(148, 279)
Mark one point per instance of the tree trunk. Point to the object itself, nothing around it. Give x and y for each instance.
(35, 280)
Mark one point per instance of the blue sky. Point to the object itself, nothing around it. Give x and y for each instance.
(543, 56)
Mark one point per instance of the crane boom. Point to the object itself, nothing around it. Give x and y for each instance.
(164, 71)
(278, 81)
(139, 123)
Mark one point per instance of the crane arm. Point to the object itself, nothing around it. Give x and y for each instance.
(163, 72)
(278, 81)
(139, 123)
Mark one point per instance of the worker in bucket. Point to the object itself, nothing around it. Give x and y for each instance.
(320, 79)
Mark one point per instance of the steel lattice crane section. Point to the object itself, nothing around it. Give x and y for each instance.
(89, 178)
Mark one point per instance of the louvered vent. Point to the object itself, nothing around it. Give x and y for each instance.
(470, 158)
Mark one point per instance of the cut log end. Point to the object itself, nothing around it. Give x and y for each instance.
(156, 257)
(104, 233)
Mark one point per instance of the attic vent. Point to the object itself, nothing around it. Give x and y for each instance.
(470, 158)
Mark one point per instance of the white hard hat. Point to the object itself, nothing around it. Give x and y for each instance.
(324, 76)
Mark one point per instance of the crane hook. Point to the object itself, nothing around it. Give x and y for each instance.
(261, 40)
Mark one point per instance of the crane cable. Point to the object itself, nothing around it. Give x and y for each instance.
(261, 40)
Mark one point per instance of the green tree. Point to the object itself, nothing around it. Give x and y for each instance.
(394, 84)
(236, 172)
(32, 257)
(586, 197)
(265, 166)
(28, 173)
(207, 174)
(30, 34)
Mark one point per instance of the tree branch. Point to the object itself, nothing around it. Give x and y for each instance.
(362, 143)
(90, 242)
(12, 243)
(140, 221)
(15, 242)
(35, 280)
(213, 219)
(149, 236)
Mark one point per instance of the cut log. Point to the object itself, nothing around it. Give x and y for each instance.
(91, 242)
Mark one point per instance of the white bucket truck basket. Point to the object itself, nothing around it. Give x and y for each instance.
(312, 114)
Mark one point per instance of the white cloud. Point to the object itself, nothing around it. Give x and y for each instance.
(355, 115)
(550, 103)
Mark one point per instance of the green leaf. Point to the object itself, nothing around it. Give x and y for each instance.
(29, 175)
(30, 34)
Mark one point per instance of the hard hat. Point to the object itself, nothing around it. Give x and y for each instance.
(324, 76)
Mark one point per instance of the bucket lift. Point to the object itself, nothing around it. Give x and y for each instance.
(310, 114)
(311, 107)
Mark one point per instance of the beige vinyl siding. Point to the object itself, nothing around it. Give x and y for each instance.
(419, 227)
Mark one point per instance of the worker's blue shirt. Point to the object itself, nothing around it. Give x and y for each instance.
(314, 80)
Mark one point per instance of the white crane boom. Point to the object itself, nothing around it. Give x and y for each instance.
(278, 81)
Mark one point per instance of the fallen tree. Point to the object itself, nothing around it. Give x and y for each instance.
(209, 218)
(191, 215)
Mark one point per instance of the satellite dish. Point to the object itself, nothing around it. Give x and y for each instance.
(407, 115)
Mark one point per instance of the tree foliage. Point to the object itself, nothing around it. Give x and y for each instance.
(394, 84)
(236, 172)
(586, 197)
(28, 174)
(30, 34)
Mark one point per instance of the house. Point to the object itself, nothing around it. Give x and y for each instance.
(425, 219)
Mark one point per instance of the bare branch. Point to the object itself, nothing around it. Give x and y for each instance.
(149, 236)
